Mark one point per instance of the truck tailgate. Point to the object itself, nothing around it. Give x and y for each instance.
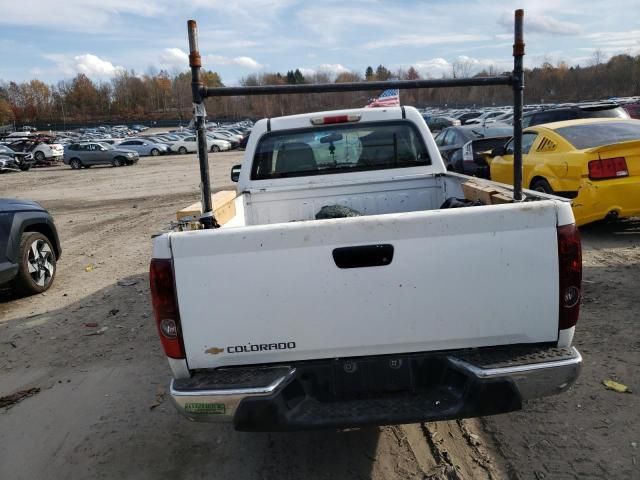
(458, 278)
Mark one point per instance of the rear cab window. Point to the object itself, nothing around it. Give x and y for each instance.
(339, 149)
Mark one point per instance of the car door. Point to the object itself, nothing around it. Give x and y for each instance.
(133, 145)
(89, 154)
(102, 154)
(144, 147)
(190, 144)
(501, 167)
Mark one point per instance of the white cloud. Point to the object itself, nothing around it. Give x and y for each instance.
(441, 67)
(540, 23)
(619, 40)
(307, 72)
(174, 57)
(415, 40)
(75, 15)
(94, 66)
(335, 68)
(88, 64)
(433, 68)
(246, 62)
(332, 69)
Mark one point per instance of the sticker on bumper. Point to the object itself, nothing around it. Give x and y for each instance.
(205, 408)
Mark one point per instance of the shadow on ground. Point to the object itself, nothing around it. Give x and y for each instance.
(100, 369)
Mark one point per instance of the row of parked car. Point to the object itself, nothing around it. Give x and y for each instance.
(117, 145)
(438, 118)
(589, 153)
(454, 141)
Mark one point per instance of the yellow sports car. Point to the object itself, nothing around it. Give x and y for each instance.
(595, 162)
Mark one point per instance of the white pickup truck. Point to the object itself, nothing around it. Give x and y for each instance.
(391, 310)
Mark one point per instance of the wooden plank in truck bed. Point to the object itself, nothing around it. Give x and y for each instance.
(224, 208)
(487, 194)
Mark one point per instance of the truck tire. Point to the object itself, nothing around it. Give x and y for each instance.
(541, 185)
(36, 264)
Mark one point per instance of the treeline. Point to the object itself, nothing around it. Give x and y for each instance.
(129, 97)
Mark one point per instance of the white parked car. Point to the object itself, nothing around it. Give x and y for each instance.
(230, 135)
(189, 144)
(48, 152)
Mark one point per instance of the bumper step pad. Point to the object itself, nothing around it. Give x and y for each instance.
(232, 379)
(506, 357)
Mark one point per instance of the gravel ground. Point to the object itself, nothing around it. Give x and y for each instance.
(101, 409)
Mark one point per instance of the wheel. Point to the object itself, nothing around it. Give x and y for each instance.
(215, 148)
(75, 163)
(24, 167)
(116, 162)
(39, 156)
(155, 152)
(182, 150)
(541, 185)
(36, 262)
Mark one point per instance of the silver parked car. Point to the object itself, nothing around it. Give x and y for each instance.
(145, 146)
(87, 154)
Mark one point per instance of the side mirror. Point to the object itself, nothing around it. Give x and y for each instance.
(498, 151)
(235, 173)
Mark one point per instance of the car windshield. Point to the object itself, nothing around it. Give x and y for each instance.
(339, 149)
(598, 134)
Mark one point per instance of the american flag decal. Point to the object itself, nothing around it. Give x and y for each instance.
(388, 98)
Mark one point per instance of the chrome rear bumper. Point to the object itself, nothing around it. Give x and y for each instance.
(218, 403)
(533, 380)
(430, 386)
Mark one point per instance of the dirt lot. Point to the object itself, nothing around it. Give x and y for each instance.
(101, 410)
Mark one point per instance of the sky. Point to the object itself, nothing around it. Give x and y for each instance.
(56, 39)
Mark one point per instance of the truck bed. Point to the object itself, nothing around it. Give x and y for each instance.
(440, 287)
(407, 193)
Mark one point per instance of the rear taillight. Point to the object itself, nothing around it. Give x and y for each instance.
(165, 307)
(467, 153)
(608, 168)
(570, 269)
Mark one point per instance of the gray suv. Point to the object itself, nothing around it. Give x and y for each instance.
(87, 154)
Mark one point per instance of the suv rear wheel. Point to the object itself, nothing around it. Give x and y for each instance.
(36, 262)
